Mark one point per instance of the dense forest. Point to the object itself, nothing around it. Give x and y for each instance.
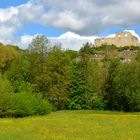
(45, 77)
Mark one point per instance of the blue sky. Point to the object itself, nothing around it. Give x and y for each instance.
(68, 22)
(8, 3)
(33, 28)
(40, 29)
(112, 30)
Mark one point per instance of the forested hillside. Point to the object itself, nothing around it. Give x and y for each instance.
(45, 77)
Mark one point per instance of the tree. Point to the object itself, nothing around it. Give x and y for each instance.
(109, 90)
(39, 49)
(87, 82)
(7, 55)
(95, 83)
(40, 45)
(86, 49)
(19, 73)
(60, 77)
(76, 91)
(54, 81)
(138, 56)
(83, 64)
(123, 86)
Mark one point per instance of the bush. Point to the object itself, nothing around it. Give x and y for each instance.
(22, 86)
(99, 104)
(5, 86)
(30, 104)
(6, 104)
(23, 104)
(72, 105)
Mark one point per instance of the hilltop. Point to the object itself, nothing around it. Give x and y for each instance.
(121, 39)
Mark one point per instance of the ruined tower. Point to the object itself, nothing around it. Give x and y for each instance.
(121, 39)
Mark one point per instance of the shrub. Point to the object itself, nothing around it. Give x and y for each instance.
(72, 105)
(30, 104)
(23, 104)
(5, 86)
(99, 104)
(21, 86)
(6, 104)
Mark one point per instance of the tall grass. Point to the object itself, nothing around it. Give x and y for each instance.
(73, 125)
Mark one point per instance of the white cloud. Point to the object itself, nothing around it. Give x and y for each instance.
(133, 33)
(65, 20)
(13, 19)
(25, 40)
(6, 34)
(111, 35)
(91, 16)
(6, 14)
(83, 17)
(67, 40)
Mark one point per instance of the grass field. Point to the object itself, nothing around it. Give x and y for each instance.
(73, 125)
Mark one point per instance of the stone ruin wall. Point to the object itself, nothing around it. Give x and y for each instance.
(121, 39)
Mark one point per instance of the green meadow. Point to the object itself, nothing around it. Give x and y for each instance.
(73, 125)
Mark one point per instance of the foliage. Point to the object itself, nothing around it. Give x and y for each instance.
(56, 78)
(95, 84)
(123, 87)
(5, 85)
(86, 49)
(138, 56)
(132, 48)
(99, 103)
(70, 53)
(79, 89)
(7, 55)
(23, 104)
(75, 92)
(19, 73)
(38, 49)
(105, 47)
(87, 82)
(30, 104)
(40, 45)
(68, 79)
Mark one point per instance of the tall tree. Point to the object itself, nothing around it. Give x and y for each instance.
(59, 76)
(87, 80)
(40, 45)
(76, 90)
(54, 82)
(39, 49)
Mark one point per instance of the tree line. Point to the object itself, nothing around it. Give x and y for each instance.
(46, 77)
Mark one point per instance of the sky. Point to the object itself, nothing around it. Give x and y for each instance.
(70, 23)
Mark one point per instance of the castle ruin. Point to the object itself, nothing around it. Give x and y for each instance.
(121, 39)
